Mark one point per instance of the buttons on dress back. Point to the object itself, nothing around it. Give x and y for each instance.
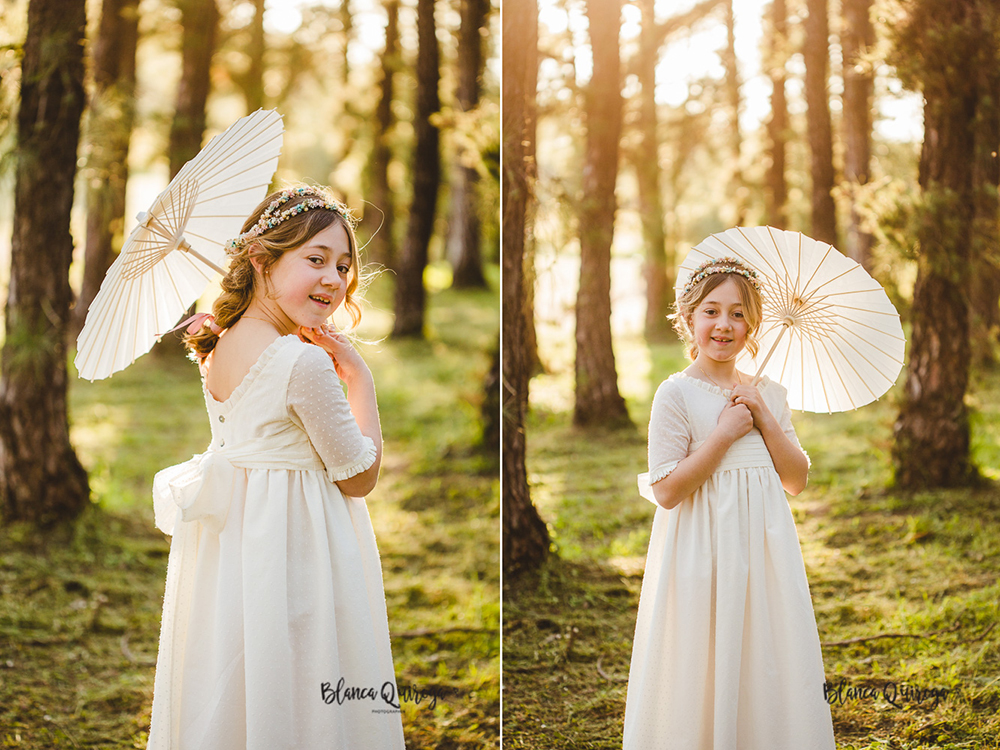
(222, 418)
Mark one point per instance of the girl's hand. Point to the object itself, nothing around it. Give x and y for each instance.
(735, 421)
(346, 360)
(749, 396)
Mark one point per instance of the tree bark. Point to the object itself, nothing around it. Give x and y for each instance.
(857, 39)
(410, 293)
(383, 245)
(535, 364)
(492, 410)
(109, 127)
(985, 282)
(254, 90)
(347, 24)
(737, 190)
(932, 432)
(41, 479)
(525, 537)
(658, 271)
(776, 186)
(817, 58)
(200, 19)
(464, 240)
(598, 401)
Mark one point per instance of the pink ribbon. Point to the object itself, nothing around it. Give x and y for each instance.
(194, 324)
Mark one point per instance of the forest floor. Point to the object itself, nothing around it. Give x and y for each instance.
(80, 606)
(879, 562)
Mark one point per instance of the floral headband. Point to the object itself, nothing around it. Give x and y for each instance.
(270, 218)
(723, 265)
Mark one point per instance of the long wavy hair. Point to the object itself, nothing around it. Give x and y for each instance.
(242, 282)
(686, 304)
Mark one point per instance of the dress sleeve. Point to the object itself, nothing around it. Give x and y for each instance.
(317, 403)
(669, 433)
(786, 423)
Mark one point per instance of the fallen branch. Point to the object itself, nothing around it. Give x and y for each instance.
(606, 676)
(425, 632)
(982, 635)
(862, 639)
(127, 653)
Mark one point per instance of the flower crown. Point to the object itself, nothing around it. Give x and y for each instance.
(723, 265)
(270, 218)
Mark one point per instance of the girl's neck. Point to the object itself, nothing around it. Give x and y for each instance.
(722, 374)
(270, 314)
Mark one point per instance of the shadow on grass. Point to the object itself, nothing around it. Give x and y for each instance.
(567, 643)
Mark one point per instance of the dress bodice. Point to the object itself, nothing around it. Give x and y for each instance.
(685, 413)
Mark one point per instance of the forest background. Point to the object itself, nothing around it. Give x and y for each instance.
(638, 129)
(393, 104)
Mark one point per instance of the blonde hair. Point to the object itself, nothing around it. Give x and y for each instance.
(240, 285)
(689, 300)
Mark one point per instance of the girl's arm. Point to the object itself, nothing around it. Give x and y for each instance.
(361, 397)
(789, 460)
(353, 370)
(693, 471)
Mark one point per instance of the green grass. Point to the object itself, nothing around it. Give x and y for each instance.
(879, 562)
(80, 606)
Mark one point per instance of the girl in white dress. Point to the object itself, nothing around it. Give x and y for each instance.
(726, 654)
(274, 631)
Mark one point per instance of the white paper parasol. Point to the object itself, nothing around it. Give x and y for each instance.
(178, 246)
(829, 333)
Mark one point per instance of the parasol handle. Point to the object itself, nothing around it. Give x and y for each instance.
(785, 325)
(186, 247)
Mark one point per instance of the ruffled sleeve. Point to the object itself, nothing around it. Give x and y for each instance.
(669, 433)
(669, 436)
(317, 403)
(785, 421)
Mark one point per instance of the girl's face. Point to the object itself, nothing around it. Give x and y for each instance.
(308, 283)
(720, 328)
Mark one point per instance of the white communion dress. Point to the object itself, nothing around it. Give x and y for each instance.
(274, 631)
(726, 653)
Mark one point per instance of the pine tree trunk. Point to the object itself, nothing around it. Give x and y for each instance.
(41, 479)
(410, 293)
(525, 537)
(598, 401)
(535, 364)
(200, 19)
(658, 271)
(492, 409)
(737, 190)
(857, 38)
(985, 279)
(347, 25)
(776, 186)
(109, 128)
(254, 90)
(382, 247)
(464, 241)
(817, 58)
(932, 432)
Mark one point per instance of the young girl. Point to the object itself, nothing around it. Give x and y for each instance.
(726, 653)
(274, 631)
